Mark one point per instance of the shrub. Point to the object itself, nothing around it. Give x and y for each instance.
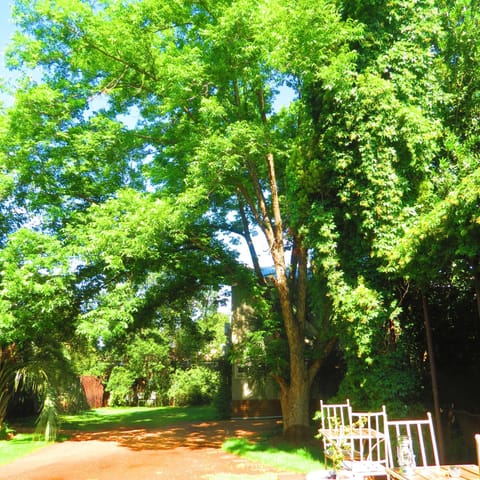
(6, 433)
(196, 386)
(120, 386)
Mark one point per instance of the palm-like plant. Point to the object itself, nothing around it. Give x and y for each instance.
(47, 375)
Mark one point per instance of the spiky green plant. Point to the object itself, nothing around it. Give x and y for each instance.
(48, 376)
(48, 422)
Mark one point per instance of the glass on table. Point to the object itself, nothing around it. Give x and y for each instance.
(454, 471)
(405, 457)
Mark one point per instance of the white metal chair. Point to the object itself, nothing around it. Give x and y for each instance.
(152, 401)
(335, 415)
(421, 438)
(368, 444)
(335, 421)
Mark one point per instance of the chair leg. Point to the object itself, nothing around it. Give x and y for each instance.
(477, 443)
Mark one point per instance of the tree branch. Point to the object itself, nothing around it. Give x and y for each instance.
(251, 248)
(277, 218)
(302, 287)
(107, 54)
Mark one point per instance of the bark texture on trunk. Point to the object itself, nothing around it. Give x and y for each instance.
(295, 393)
(476, 283)
(292, 294)
(295, 402)
(433, 374)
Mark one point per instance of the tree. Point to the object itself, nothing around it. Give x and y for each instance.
(7, 378)
(142, 261)
(436, 233)
(146, 270)
(325, 181)
(204, 106)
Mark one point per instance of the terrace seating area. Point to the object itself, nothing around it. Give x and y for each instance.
(366, 444)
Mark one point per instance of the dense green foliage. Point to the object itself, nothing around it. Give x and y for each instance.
(195, 386)
(149, 134)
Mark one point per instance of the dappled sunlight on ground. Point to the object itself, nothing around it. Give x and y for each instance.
(179, 452)
(192, 436)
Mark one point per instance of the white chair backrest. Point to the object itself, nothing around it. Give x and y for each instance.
(422, 438)
(369, 436)
(335, 415)
(335, 418)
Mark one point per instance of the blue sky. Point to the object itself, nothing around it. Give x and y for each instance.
(6, 31)
(6, 26)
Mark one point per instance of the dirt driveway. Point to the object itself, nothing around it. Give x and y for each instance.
(180, 452)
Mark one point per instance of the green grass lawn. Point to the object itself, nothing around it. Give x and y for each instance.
(20, 445)
(135, 417)
(283, 456)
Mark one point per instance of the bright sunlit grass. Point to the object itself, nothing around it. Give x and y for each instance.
(134, 417)
(19, 446)
(283, 457)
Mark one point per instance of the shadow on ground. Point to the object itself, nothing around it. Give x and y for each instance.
(192, 435)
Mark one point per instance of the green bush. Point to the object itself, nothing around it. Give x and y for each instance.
(196, 386)
(120, 385)
(6, 432)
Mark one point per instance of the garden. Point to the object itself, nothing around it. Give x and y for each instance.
(282, 191)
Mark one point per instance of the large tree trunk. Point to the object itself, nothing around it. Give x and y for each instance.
(433, 374)
(295, 400)
(476, 282)
(294, 390)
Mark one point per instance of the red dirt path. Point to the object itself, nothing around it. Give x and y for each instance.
(179, 452)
